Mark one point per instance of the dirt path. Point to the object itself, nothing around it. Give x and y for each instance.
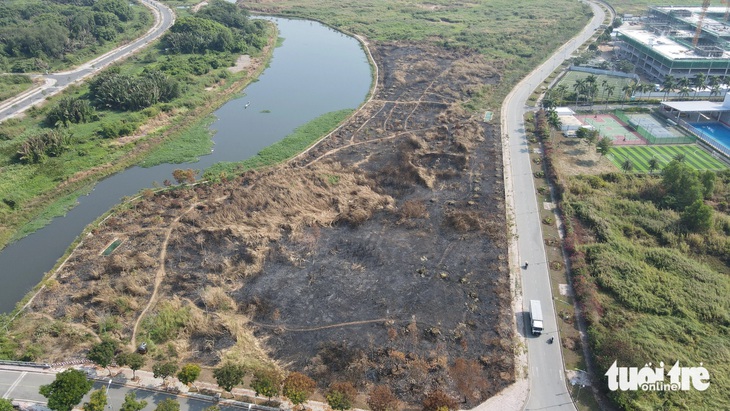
(160, 274)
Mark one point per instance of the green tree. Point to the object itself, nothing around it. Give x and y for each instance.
(133, 360)
(164, 370)
(168, 404)
(67, 390)
(708, 183)
(682, 185)
(653, 165)
(189, 373)
(298, 387)
(97, 401)
(341, 395)
(229, 375)
(6, 404)
(266, 383)
(627, 166)
(604, 146)
(131, 403)
(697, 217)
(102, 353)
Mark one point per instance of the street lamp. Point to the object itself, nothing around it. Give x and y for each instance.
(107, 393)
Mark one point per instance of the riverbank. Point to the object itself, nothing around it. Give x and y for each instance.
(169, 127)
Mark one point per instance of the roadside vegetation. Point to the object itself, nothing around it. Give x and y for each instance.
(650, 268)
(13, 84)
(39, 36)
(123, 113)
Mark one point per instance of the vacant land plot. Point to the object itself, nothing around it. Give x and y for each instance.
(378, 257)
(694, 156)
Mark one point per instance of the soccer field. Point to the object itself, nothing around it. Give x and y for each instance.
(639, 156)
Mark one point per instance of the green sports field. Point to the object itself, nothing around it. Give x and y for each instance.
(640, 155)
(618, 82)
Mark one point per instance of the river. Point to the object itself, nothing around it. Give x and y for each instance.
(315, 71)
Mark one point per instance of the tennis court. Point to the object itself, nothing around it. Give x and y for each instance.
(654, 126)
(694, 155)
(610, 126)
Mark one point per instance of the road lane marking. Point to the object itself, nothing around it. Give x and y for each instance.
(15, 384)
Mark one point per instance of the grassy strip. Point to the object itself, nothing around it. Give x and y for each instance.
(192, 143)
(14, 84)
(283, 150)
(57, 208)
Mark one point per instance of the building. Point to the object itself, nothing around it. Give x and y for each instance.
(662, 43)
(569, 125)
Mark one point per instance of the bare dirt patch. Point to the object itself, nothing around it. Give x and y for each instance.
(242, 63)
(377, 257)
(573, 156)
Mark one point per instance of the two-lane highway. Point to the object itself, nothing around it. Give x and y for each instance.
(548, 389)
(57, 82)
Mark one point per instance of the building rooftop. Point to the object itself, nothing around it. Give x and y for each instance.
(695, 106)
(663, 44)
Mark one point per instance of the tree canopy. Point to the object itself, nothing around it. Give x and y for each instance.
(266, 383)
(67, 390)
(37, 33)
(220, 26)
(298, 387)
(189, 373)
(229, 375)
(341, 395)
(97, 401)
(102, 353)
(131, 403)
(164, 370)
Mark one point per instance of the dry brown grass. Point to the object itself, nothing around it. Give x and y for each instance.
(216, 299)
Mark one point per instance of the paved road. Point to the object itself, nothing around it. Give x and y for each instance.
(55, 83)
(548, 388)
(23, 386)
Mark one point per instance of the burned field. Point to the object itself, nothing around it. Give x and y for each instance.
(377, 257)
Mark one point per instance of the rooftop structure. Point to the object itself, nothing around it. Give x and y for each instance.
(661, 44)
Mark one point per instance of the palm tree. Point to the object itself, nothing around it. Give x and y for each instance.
(609, 93)
(627, 166)
(684, 92)
(653, 165)
(628, 91)
(604, 85)
(592, 89)
(714, 83)
(725, 81)
(561, 89)
(699, 82)
(579, 87)
(715, 90)
(668, 85)
(683, 83)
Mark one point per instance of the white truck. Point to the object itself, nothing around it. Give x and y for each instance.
(535, 317)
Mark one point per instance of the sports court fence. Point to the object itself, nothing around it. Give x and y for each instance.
(704, 138)
(651, 138)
